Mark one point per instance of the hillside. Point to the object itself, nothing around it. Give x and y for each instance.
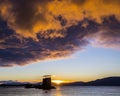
(110, 81)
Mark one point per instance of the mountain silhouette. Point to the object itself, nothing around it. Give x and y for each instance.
(109, 81)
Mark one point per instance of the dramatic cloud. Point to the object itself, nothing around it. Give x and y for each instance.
(37, 16)
(109, 34)
(35, 30)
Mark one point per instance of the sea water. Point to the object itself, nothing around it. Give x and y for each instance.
(62, 91)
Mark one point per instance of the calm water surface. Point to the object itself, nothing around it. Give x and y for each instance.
(63, 91)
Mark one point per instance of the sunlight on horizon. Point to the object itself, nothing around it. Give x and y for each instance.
(58, 81)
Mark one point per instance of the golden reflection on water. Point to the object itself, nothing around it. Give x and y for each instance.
(58, 91)
(53, 92)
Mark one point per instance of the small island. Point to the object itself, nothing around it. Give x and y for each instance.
(46, 84)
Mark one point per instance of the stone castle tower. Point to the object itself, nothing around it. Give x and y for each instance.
(46, 81)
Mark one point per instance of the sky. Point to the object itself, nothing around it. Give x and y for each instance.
(72, 40)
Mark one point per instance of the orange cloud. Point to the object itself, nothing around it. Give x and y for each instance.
(37, 16)
(36, 30)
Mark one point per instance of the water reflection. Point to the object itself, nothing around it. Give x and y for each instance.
(63, 91)
(58, 91)
(52, 92)
(46, 92)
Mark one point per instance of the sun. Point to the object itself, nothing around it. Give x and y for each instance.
(57, 81)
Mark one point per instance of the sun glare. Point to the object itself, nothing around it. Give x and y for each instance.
(57, 81)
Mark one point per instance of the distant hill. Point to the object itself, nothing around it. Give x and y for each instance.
(13, 83)
(110, 81)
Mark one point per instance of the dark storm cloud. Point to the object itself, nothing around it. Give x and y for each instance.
(24, 14)
(25, 17)
(79, 2)
(15, 51)
(29, 17)
(109, 34)
(36, 30)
